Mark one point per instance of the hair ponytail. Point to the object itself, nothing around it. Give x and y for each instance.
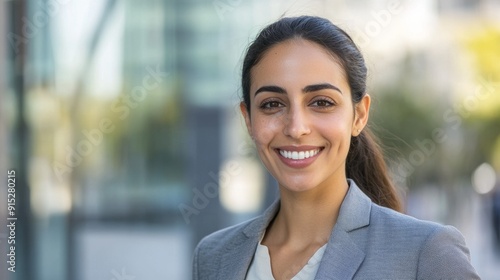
(366, 166)
(365, 162)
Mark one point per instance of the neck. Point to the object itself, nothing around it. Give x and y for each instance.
(308, 217)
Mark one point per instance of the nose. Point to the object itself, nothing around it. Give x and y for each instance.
(296, 123)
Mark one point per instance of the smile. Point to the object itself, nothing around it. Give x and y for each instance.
(298, 155)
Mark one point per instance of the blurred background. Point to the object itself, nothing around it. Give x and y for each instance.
(121, 121)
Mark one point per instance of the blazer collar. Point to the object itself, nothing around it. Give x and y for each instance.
(239, 254)
(258, 226)
(355, 209)
(341, 258)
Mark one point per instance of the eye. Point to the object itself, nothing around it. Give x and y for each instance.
(271, 104)
(322, 103)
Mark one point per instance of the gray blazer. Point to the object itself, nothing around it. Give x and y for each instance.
(367, 242)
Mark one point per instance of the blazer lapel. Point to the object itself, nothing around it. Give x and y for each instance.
(341, 259)
(239, 253)
(343, 254)
(237, 259)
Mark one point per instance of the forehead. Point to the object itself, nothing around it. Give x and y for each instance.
(297, 61)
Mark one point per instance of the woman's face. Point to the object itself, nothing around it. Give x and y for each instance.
(301, 115)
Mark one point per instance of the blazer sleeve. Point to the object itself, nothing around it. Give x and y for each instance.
(200, 264)
(445, 255)
(204, 260)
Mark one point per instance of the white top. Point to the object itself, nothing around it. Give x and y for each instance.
(260, 269)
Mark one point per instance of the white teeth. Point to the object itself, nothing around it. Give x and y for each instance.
(299, 155)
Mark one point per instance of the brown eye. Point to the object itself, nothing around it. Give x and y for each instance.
(322, 103)
(271, 105)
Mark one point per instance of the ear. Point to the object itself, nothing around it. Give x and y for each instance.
(361, 113)
(246, 116)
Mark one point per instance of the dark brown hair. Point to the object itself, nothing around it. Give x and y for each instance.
(365, 162)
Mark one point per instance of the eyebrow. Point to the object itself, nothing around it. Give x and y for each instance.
(322, 86)
(309, 88)
(276, 89)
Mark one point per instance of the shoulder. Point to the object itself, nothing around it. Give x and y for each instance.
(229, 245)
(440, 251)
(220, 239)
(212, 249)
(382, 217)
(444, 254)
(233, 235)
(397, 227)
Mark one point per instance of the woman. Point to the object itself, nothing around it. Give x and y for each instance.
(306, 109)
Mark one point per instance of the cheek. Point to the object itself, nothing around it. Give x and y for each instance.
(265, 129)
(337, 127)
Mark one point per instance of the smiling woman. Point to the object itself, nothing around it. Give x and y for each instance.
(309, 113)
(306, 108)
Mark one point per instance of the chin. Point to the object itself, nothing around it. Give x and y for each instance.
(303, 186)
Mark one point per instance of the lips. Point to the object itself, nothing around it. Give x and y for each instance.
(298, 156)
